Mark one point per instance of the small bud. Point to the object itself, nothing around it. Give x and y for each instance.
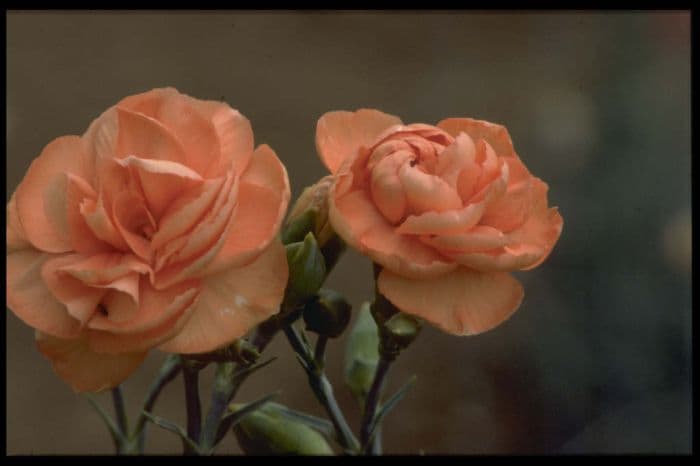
(307, 270)
(267, 431)
(244, 352)
(399, 331)
(310, 214)
(328, 314)
(362, 353)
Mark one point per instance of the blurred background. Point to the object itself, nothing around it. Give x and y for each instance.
(597, 359)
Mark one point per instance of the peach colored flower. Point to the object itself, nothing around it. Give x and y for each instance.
(157, 228)
(446, 211)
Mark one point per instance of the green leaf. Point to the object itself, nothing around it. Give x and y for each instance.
(388, 406)
(172, 427)
(117, 435)
(246, 371)
(234, 416)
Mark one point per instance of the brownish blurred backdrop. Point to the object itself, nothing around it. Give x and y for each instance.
(598, 104)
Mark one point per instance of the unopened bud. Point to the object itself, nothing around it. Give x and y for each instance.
(362, 353)
(328, 314)
(307, 270)
(267, 431)
(310, 214)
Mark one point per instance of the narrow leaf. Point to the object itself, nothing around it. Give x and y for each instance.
(388, 406)
(246, 371)
(234, 417)
(117, 435)
(322, 425)
(172, 427)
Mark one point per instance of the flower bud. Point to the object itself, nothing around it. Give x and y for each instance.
(328, 314)
(307, 270)
(399, 331)
(310, 214)
(362, 353)
(266, 431)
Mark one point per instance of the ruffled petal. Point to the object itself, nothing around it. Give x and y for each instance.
(386, 187)
(80, 299)
(66, 154)
(402, 254)
(543, 226)
(236, 141)
(496, 135)
(340, 134)
(233, 302)
(15, 236)
(84, 369)
(458, 156)
(263, 199)
(443, 223)
(160, 316)
(479, 238)
(427, 193)
(463, 302)
(31, 300)
(161, 181)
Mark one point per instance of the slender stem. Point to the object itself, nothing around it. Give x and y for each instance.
(219, 400)
(323, 390)
(373, 400)
(168, 371)
(320, 351)
(119, 411)
(194, 409)
(376, 447)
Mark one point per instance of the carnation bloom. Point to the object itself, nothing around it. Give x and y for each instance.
(446, 211)
(156, 228)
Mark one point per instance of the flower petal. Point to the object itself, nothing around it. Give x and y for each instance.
(15, 236)
(496, 135)
(66, 154)
(403, 254)
(263, 198)
(235, 136)
(340, 134)
(30, 299)
(196, 133)
(427, 193)
(80, 299)
(84, 369)
(233, 302)
(443, 223)
(542, 227)
(463, 302)
(479, 238)
(386, 187)
(186, 211)
(161, 181)
(161, 315)
(458, 156)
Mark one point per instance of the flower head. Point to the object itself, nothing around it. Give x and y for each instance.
(156, 228)
(446, 211)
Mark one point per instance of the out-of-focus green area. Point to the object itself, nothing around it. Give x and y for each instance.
(598, 105)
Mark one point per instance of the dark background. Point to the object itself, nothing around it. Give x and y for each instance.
(598, 104)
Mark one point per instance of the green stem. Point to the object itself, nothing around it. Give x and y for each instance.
(194, 409)
(119, 411)
(323, 390)
(372, 403)
(168, 371)
(320, 351)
